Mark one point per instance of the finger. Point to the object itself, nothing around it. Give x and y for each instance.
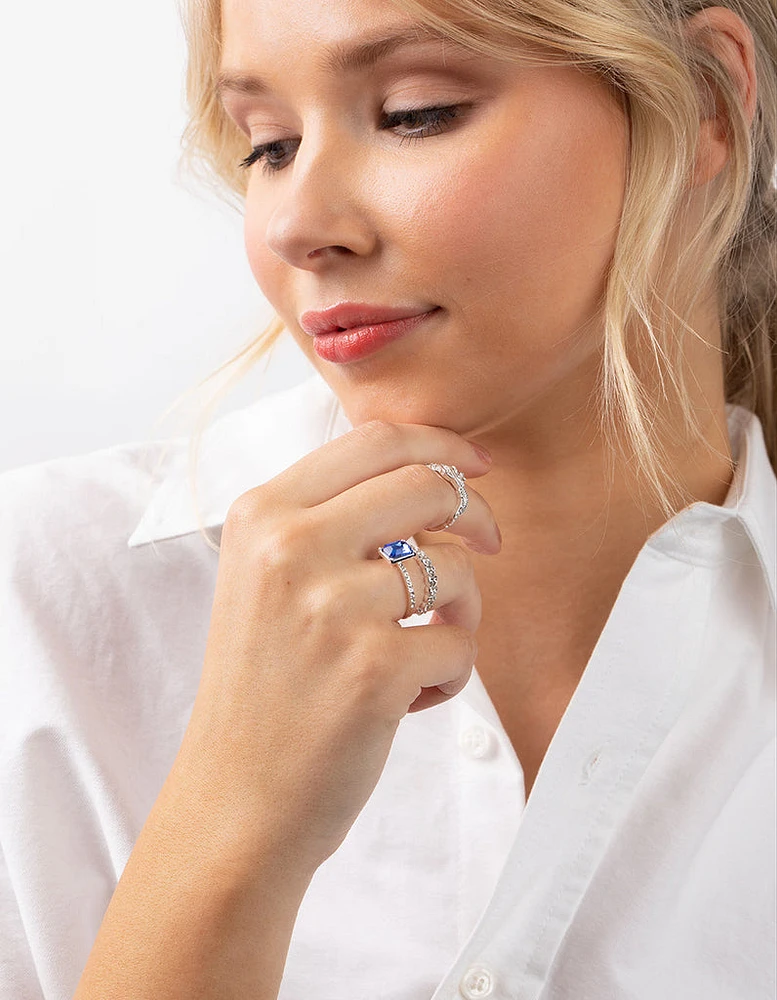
(436, 657)
(381, 589)
(431, 696)
(399, 503)
(368, 450)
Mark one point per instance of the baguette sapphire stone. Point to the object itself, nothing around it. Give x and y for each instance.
(396, 551)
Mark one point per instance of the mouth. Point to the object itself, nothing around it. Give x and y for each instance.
(343, 346)
(353, 315)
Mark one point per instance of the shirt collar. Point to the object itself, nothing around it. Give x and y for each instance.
(239, 451)
(250, 446)
(744, 526)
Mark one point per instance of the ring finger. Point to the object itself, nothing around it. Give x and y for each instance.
(382, 586)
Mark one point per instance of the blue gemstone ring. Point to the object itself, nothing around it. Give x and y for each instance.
(396, 552)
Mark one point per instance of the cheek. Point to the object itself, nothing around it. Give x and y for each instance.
(529, 218)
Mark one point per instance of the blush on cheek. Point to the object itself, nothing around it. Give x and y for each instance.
(527, 223)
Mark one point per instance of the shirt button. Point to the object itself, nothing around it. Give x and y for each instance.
(475, 741)
(477, 983)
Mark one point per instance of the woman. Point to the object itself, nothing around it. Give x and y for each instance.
(566, 787)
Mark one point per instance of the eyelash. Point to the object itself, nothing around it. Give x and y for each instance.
(441, 118)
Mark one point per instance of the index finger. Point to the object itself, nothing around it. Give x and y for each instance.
(369, 450)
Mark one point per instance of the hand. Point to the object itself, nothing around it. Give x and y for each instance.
(307, 672)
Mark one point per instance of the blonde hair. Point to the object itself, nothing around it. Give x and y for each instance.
(659, 73)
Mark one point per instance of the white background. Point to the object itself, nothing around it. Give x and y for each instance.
(121, 284)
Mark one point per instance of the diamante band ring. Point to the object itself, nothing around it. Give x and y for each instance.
(431, 580)
(411, 609)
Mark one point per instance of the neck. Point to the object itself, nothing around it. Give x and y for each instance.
(569, 540)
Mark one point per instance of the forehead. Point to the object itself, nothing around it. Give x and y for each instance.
(264, 26)
(322, 34)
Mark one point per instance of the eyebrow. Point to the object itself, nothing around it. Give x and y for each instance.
(339, 58)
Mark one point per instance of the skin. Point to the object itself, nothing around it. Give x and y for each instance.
(507, 220)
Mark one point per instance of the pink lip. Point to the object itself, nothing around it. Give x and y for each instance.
(357, 342)
(345, 315)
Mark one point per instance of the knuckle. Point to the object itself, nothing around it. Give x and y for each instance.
(278, 548)
(469, 645)
(250, 509)
(461, 559)
(383, 434)
(370, 657)
(241, 513)
(285, 539)
(417, 476)
(330, 597)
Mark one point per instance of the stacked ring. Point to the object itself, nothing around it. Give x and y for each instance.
(396, 552)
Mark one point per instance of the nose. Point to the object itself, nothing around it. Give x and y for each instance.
(321, 205)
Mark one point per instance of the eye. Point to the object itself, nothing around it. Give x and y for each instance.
(433, 121)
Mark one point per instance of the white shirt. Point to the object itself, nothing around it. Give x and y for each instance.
(643, 867)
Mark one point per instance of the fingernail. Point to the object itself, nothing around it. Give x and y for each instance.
(484, 453)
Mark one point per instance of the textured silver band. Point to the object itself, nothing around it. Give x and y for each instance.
(457, 479)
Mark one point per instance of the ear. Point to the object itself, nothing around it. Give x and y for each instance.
(727, 36)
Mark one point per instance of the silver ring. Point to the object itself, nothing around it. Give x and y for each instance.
(411, 609)
(457, 479)
(395, 553)
(431, 580)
